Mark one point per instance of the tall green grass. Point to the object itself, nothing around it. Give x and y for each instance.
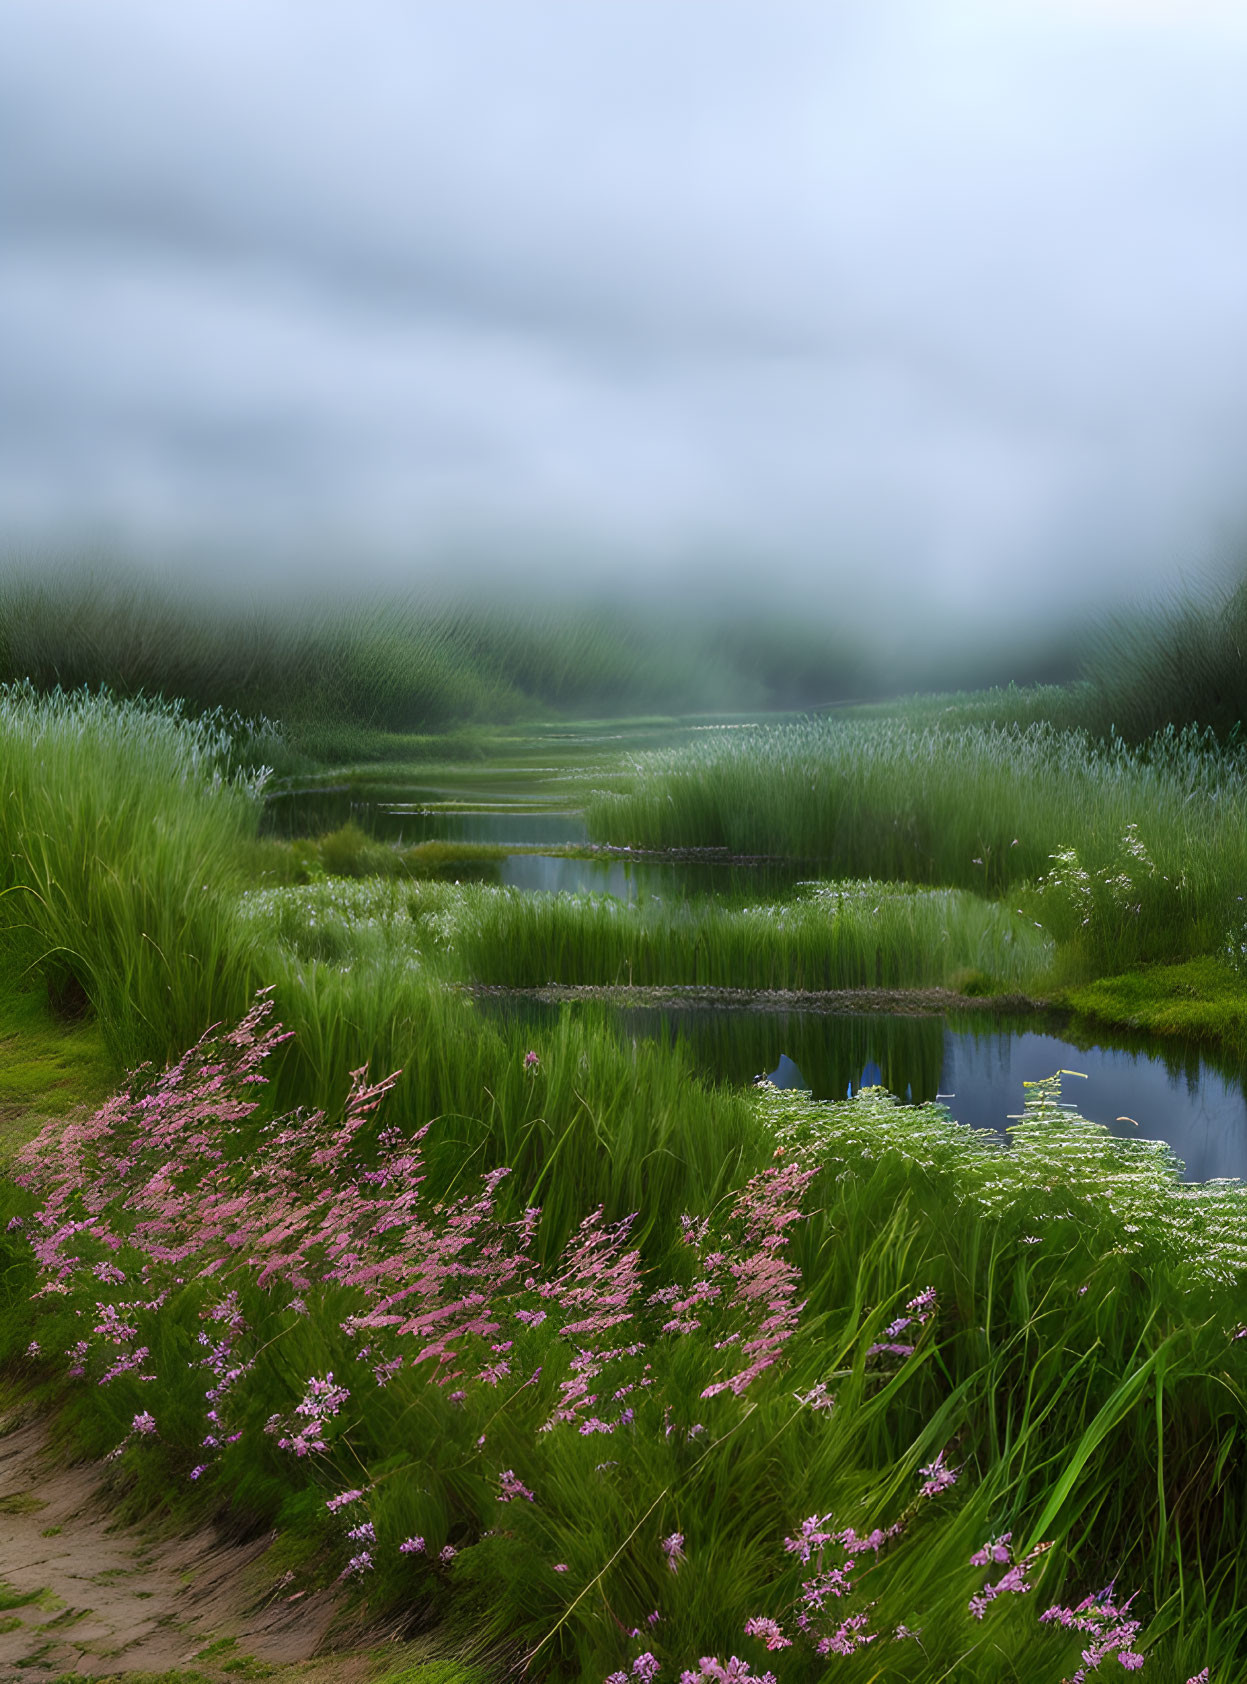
(1172, 663)
(1083, 1373)
(833, 936)
(123, 828)
(848, 935)
(120, 828)
(1098, 1329)
(970, 807)
(737, 1045)
(1086, 1371)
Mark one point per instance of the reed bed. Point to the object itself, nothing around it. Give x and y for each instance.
(812, 1385)
(846, 935)
(120, 830)
(359, 974)
(1161, 830)
(842, 935)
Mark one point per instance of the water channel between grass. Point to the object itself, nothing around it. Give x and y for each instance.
(1137, 1087)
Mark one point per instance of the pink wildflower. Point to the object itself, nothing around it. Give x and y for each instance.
(768, 1631)
(710, 1670)
(937, 1477)
(997, 1549)
(849, 1635)
(512, 1488)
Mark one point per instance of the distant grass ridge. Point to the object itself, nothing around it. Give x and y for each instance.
(1173, 663)
(337, 670)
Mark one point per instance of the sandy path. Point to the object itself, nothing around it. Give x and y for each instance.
(106, 1599)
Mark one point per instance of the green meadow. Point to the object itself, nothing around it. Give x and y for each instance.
(525, 1332)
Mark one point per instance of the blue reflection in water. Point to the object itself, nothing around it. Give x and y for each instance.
(1200, 1112)
(786, 1075)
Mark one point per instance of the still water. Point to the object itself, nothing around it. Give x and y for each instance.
(975, 1067)
(416, 818)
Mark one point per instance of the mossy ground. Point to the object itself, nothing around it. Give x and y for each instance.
(1202, 1001)
(48, 1065)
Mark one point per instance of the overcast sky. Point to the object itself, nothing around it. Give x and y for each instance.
(950, 298)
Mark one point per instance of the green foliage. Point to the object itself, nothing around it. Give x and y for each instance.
(341, 672)
(836, 935)
(1110, 915)
(119, 836)
(969, 806)
(1078, 1365)
(1086, 1371)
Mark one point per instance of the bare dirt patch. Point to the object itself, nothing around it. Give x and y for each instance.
(83, 1595)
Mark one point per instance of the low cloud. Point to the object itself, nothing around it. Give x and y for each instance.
(939, 309)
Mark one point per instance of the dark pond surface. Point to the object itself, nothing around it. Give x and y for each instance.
(416, 818)
(1154, 1091)
(316, 812)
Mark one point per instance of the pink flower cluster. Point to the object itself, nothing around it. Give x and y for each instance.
(922, 1310)
(1109, 1626)
(1015, 1581)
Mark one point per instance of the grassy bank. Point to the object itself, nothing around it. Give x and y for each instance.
(120, 834)
(1203, 1001)
(849, 935)
(48, 1065)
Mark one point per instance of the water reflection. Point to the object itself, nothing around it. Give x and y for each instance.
(1154, 1091)
(1199, 1110)
(786, 1075)
(409, 816)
